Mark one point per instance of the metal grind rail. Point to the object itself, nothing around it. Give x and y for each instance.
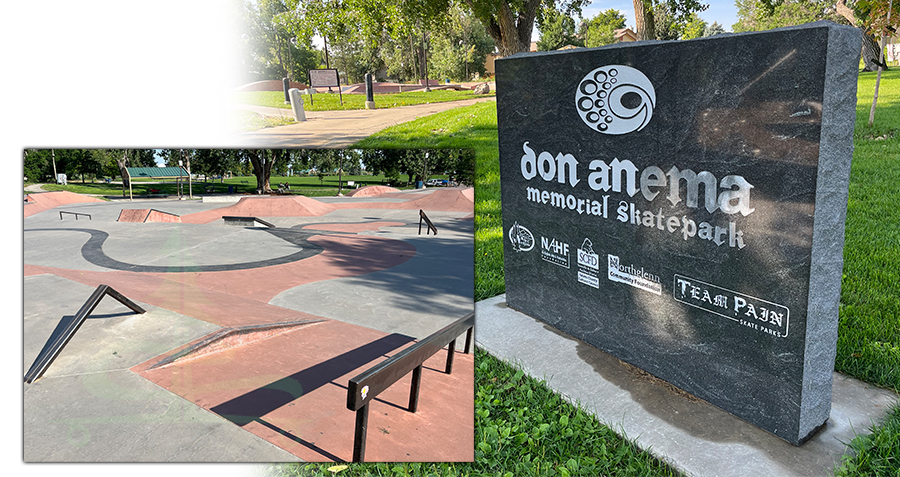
(57, 342)
(369, 384)
(76, 214)
(431, 226)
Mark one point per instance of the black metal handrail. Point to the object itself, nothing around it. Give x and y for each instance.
(56, 343)
(76, 214)
(369, 384)
(431, 226)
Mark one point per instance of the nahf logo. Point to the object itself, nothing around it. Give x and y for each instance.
(555, 251)
(521, 238)
(588, 265)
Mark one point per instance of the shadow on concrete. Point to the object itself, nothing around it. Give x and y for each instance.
(255, 404)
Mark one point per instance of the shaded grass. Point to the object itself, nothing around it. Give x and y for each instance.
(521, 428)
(332, 102)
(877, 453)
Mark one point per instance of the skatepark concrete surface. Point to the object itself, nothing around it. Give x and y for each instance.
(694, 436)
(251, 333)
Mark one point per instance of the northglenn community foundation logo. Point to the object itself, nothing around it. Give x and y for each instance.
(615, 99)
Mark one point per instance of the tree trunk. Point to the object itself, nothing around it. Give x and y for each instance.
(870, 51)
(262, 168)
(126, 181)
(510, 30)
(643, 21)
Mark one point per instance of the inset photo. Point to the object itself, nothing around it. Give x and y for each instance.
(248, 305)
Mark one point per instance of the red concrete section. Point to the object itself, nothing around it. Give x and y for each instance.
(444, 200)
(48, 200)
(160, 216)
(371, 191)
(205, 304)
(133, 215)
(292, 392)
(293, 206)
(344, 256)
(353, 228)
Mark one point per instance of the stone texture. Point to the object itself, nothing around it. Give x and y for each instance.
(725, 284)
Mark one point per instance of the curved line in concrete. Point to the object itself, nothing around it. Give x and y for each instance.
(92, 251)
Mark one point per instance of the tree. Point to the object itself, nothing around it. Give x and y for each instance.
(601, 29)
(714, 29)
(694, 28)
(680, 11)
(262, 161)
(510, 22)
(269, 50)
(870, 16)
(759, 15)
(557, 31)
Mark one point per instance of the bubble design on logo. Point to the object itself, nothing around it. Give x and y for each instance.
(599, 99)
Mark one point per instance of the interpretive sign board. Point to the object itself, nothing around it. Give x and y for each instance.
(325, 78)
(681, 206)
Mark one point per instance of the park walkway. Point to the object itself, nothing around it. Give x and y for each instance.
(338, 129)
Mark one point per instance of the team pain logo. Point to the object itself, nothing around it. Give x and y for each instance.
(615, 99)
(521, 238)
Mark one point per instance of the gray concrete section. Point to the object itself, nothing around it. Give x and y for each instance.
(118, 416)
(415, 298)
(695, 436)
(112, 338)
(89, 406)
(52, 242)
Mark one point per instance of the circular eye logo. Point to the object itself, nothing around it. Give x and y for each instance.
(615, 99)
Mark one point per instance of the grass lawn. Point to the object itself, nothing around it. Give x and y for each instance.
(300, 185)
(332, 102)
(246, 121)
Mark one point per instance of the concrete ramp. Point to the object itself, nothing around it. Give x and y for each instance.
(147, 215)
(293, 206)
(372, 191)
(444, 200)
(41, 201)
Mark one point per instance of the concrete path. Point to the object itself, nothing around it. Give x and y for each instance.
(694, 436)
(337, 129)
(166, 386)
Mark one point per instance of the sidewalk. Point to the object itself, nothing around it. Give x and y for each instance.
(694, 436)
(338, 129)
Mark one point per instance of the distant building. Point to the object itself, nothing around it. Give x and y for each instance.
(625, 34)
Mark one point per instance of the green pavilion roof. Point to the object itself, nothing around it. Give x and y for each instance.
(156, 172)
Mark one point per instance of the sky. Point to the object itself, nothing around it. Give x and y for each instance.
(722, 11)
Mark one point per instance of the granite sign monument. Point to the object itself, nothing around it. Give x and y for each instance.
(681, 206)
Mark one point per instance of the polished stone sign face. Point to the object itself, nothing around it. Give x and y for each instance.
(681, 206)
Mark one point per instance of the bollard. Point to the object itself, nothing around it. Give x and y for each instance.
(286, 83)
(370, 97)
(297, 104)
